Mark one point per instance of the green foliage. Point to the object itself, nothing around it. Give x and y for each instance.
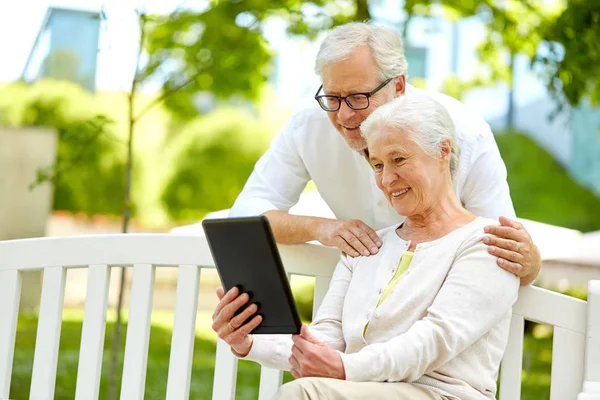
(303, 289)
(574, 60)
(222, 50)
(208, 50)
(542, 190)
(457, 88)
(182, 169)
(88, 175)
(570, 28)
(211, 162)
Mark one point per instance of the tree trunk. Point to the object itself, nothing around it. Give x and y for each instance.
(112, 387)
(362, 11)
(510, 115)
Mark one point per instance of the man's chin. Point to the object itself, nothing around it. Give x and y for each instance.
(357, 145)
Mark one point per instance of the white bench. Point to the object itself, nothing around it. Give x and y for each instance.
(576, 344)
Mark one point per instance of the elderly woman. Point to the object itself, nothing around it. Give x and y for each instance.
(425, 318)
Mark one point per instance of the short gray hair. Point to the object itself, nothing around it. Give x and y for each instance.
(419, 115)
(385, 44)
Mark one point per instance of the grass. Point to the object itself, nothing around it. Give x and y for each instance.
(542, 190)
(535, 385)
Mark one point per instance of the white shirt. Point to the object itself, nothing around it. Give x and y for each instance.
(309, 147)
(444, 325)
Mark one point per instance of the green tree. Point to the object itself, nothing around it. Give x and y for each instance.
(573, 63)
(87, 147)
(222, 49)
(560, 37)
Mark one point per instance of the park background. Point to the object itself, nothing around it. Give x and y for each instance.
(146, 116)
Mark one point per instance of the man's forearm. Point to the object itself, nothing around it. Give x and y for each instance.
(293, 229)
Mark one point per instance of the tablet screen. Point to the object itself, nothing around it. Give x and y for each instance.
(246, 256)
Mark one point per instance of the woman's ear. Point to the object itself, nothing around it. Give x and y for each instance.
(446, 149)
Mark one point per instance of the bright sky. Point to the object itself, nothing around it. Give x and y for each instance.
(21, 21)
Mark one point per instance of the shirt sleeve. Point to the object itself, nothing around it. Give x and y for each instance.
(485, 191)
(273, 351)
(279, 176)
(474, 283)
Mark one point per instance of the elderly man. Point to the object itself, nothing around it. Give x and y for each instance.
(363, 67)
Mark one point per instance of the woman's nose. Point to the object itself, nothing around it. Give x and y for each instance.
(388, 177)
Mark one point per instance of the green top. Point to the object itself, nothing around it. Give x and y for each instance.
(403, 265)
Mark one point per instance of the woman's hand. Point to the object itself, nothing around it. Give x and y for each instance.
(230, 327)
(311, 357)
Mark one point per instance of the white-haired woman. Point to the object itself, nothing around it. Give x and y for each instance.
(425, 318)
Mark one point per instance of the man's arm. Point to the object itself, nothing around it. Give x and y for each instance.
(275, 186)
(486, 193)
(351, 236)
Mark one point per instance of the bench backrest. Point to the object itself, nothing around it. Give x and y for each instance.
(146, 252)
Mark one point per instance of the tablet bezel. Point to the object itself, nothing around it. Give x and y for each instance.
(260, 225)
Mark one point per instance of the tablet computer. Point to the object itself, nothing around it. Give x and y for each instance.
(246, 256)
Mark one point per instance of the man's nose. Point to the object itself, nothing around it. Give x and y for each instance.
(345, 112)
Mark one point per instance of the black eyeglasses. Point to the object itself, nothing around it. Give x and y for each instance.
(356, 101)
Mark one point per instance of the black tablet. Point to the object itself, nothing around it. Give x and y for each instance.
(246, 256)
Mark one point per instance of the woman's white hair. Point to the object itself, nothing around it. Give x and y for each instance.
(419, 115)
(385, 44)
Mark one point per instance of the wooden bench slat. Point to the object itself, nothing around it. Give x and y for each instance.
(512, 364)
(10, 294)
(225, 373)
(568, 349)
(541, 305)
(138, 333)
(89, 369)
(321, 287)
(43, 377)
(270, 380)
(184, 333)
(592, 356)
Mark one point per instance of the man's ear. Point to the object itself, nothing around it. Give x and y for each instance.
(445, 149)
(399, 85)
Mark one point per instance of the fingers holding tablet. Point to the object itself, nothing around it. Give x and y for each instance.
(234, 326)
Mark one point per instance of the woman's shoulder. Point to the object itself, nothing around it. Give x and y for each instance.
(474, 232)
(384, 232)
(475, 228)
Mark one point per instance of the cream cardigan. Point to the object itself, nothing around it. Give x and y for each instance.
(444, 326)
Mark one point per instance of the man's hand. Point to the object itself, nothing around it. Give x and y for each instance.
(353, 237)
(515, 250)
(313, 358)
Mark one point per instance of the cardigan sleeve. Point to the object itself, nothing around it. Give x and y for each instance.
(273, 351)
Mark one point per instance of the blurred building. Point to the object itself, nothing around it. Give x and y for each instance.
(66, 47)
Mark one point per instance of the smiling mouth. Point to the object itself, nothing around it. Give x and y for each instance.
(399, 193)
(351, 128)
